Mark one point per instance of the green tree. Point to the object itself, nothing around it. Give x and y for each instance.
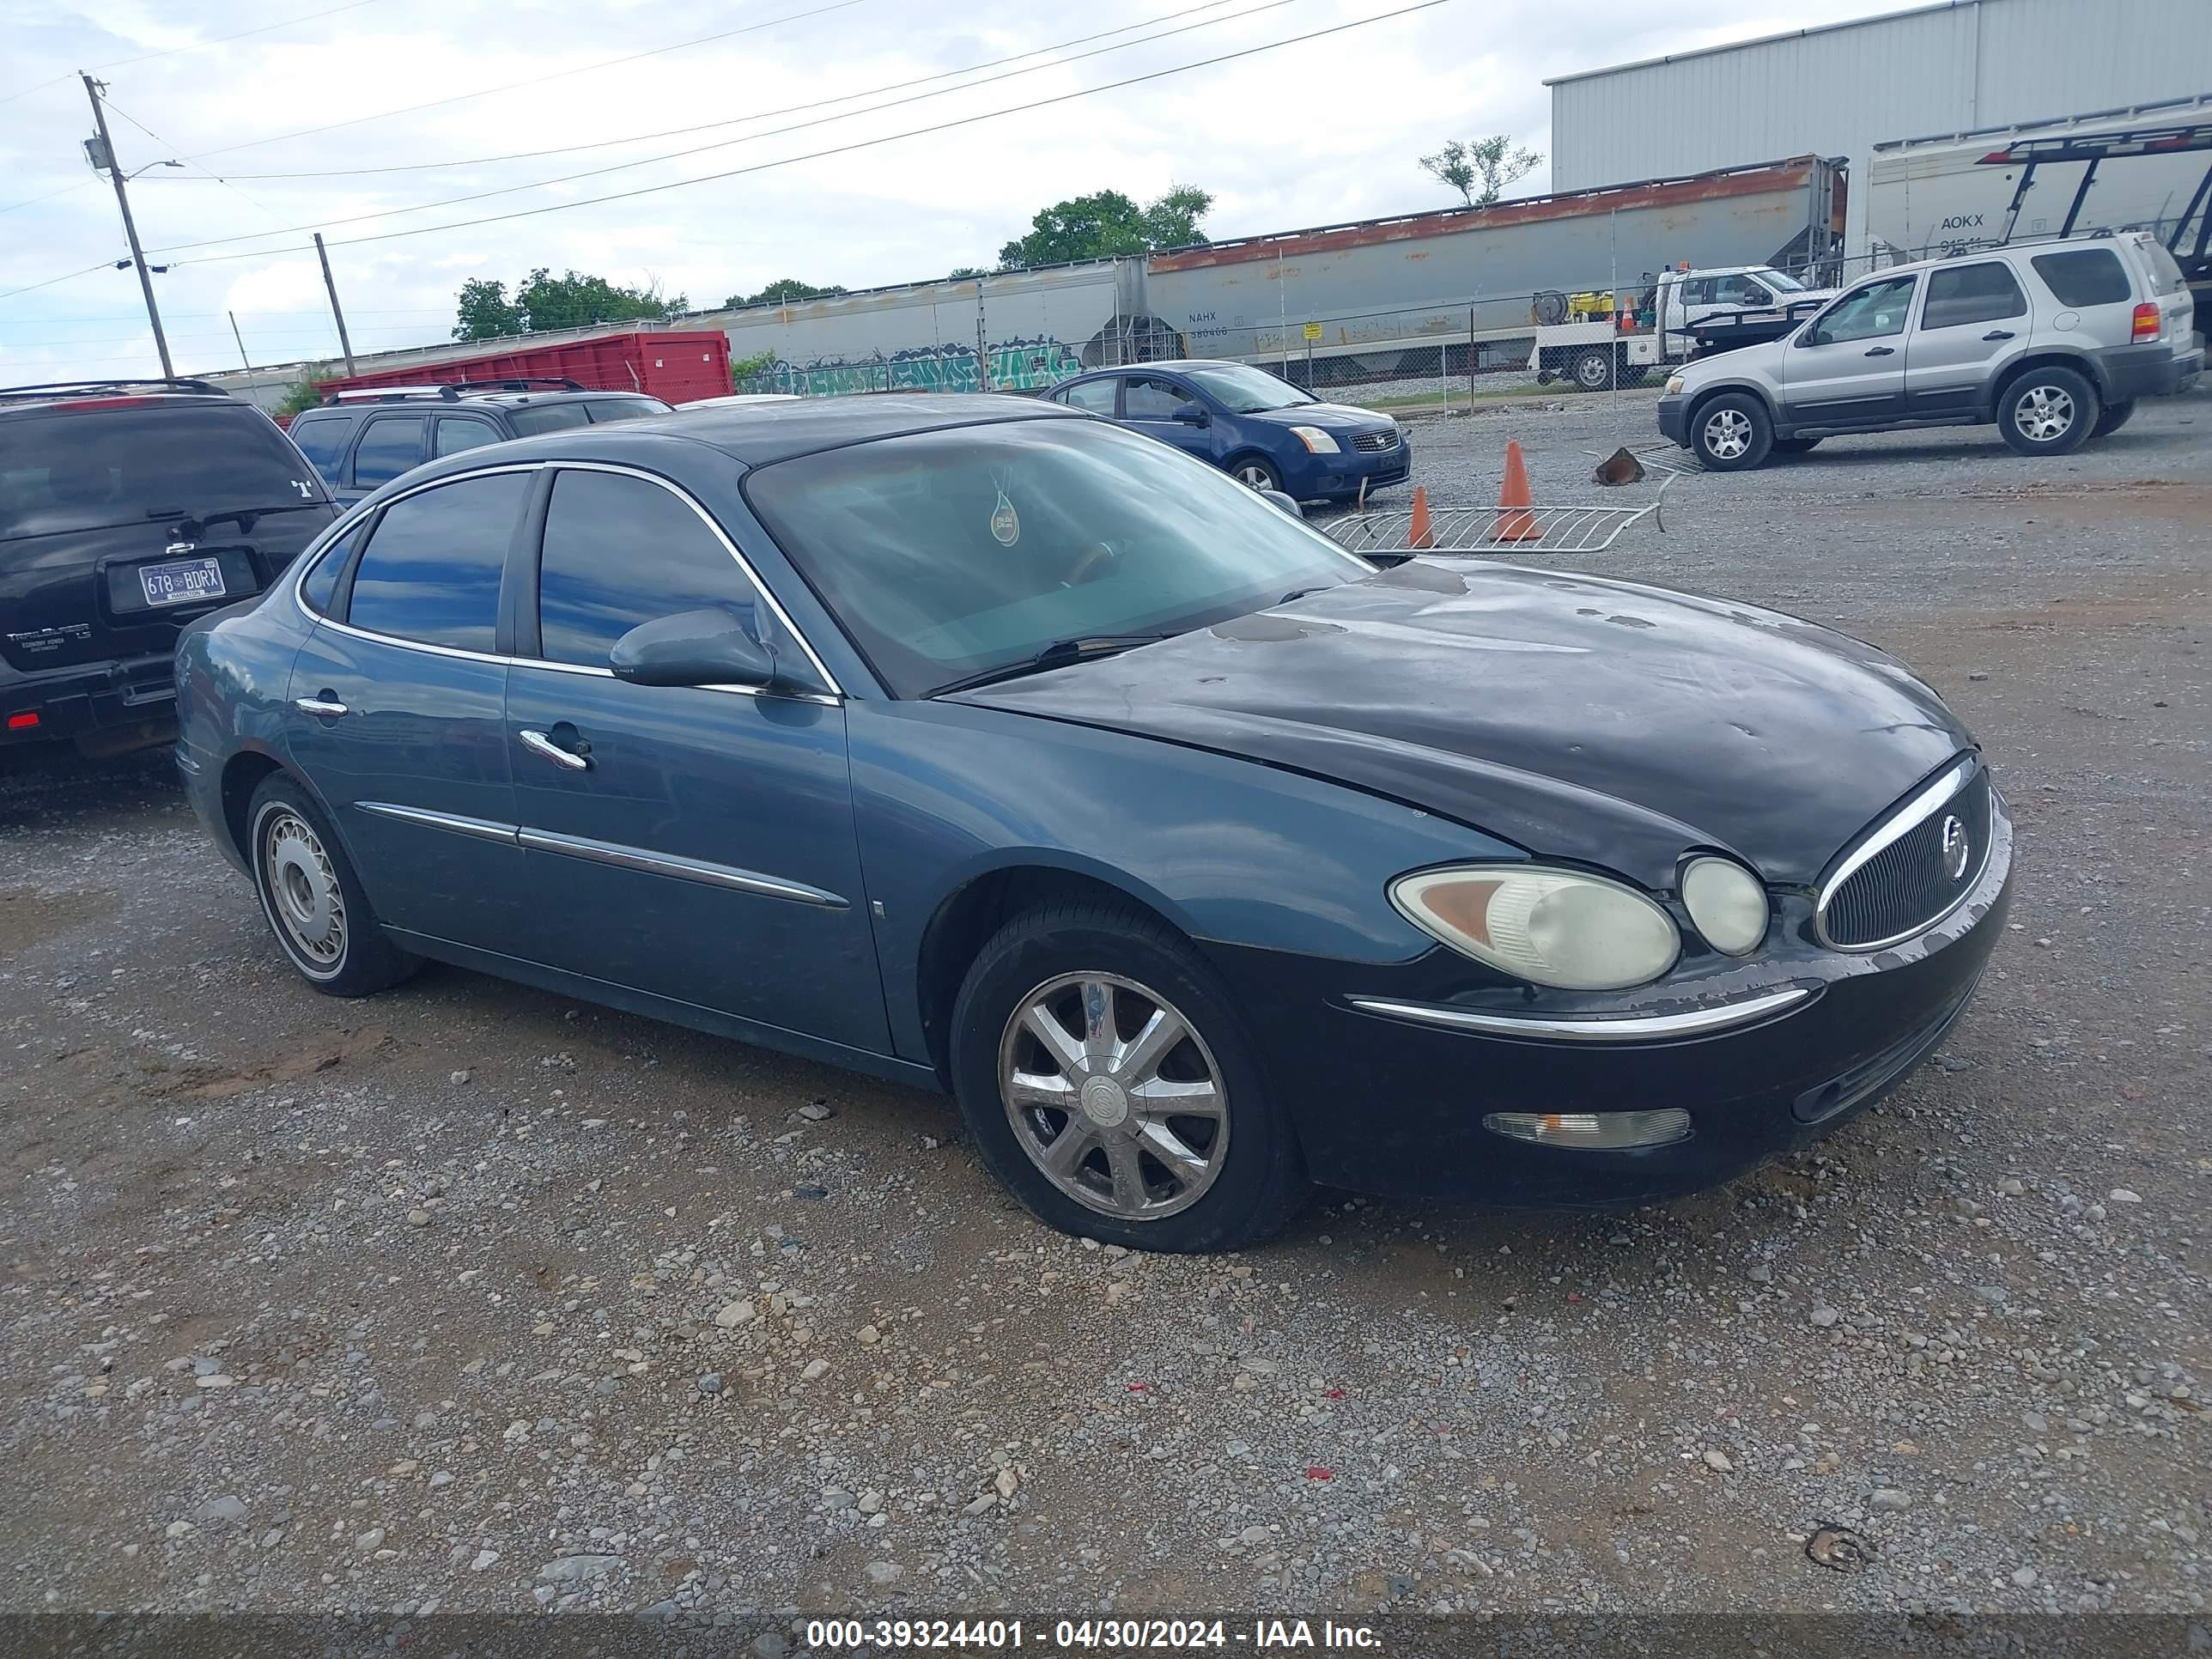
(484, 311)
(305, 393)
(572, 299)
(1480, 171)
(782, 289)
(1107, 223)
(965, 273)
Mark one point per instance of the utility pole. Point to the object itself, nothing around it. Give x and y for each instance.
(245, 361)
(130, 230)
(345, 345)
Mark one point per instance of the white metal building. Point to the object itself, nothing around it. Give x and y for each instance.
(1840, 90)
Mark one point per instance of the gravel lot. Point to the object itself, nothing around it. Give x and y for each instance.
(470, 1297)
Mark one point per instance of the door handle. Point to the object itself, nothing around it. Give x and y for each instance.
(538, 743)
(1998, 334)
(1882, 351)
(324, 703)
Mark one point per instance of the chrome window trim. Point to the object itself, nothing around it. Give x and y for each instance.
(1599, 1028)
(665, 864)
(833, 698)
(1908, 817)
(481, 828)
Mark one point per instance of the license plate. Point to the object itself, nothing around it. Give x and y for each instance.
(181, 581)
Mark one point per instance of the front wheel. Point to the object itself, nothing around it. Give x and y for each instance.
(2113, 417)
(1256, 474)
(1109, 1084)
(1594, 369)
(312, 900)
(1733, 432)
(2048, 412)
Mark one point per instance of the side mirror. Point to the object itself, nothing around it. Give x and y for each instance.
(1193, 415)
(1289, 504)
(693, 648)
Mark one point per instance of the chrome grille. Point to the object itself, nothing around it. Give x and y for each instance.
(1907, 873)
(1375, 442)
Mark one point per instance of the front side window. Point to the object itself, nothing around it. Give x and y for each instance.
(530, 419)
(1147, 398)
(431, 570)
(1244, 390)
(322, 439)
(619, 551)
(1986, 293)
(1870, 313)
(1741, 291)
(393, 445)
(953, 553)
(2084, 276)
(1096, 396)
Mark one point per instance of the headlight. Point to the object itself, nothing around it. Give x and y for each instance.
(1554, 928)
(1314, 440)
(1726, 902)
(1675, 385)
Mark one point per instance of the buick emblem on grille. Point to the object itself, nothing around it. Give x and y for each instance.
(1956, 851)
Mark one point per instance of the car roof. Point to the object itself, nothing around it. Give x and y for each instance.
(1997, 250)
(77, 396)
(760, 434)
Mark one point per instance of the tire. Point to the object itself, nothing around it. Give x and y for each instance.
(1239, 1176)
(2048, 412)
(311, 898)
(1795, 446)
(1594, 369)
(2112, 417)
(1255, 472)
(1732, 433)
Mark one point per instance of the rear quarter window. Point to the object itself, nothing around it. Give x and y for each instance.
(2084, 277)
(322, 439)
(96, 467)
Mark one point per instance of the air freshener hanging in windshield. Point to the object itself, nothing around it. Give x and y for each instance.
(1005, 523)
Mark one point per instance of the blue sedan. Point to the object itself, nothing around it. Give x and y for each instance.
(990, 747)
(1259, 429)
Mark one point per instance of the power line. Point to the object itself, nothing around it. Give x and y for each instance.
(197, 46)
(49, 196)
(263, 206)
(724, 144)
(534, 81)
(67, 276)
(757, 115)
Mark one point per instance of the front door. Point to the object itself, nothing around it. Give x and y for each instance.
(1159, 408)
(1848, 364)
(696, 844)
(1971, 317)
(397, 703)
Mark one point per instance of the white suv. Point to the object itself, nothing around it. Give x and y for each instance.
(2053, 340)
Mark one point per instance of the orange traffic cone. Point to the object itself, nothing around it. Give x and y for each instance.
(1421, 535)
(1515, 523)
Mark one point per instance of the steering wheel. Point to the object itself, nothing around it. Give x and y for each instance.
(1090, 564)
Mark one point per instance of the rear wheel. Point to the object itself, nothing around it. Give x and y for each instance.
(1110, 1087)
(2048, 412)
(2112, 417)
(1255, 473)
(1733, 432)
(312, 900)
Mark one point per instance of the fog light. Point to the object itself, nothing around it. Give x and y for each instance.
(1596, 1130)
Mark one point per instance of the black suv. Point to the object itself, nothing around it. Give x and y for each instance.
(127, 509)
(360, 441)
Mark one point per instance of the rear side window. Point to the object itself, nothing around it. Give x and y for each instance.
(459, 432)
(1972, 293)
(2083, 277)
(393, 445)
(620, 552)
(124, 463)
(322, 439)
(2165, 276)
(321, 582)
(533, 418)
(430, 572)
(1095, 396)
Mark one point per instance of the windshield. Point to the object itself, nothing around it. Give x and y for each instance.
(1780, 281)
(947, 554)
(1243, 390)
(93, 468)
(627, 408)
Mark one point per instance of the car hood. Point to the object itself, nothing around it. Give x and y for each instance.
(1579, 718)
(1329, 417)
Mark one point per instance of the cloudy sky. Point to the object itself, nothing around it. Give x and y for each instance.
(397, 107)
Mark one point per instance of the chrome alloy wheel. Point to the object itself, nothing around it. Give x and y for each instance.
(1114, 1096)
(1728, 434)
(2044, 413)
(304, 897)
(1253, 476)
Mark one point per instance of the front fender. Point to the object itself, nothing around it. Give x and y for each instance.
(1230, 851)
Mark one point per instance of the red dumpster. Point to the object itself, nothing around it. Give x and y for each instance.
(678, 365)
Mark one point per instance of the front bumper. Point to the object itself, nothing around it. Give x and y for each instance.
(1674, 418)
(2153, 370)
(1391, 1103)
(87, 698)
(1324, 478)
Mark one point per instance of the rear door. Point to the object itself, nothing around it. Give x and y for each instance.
(123, 518)
(1972, 318)
(1848, 364)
